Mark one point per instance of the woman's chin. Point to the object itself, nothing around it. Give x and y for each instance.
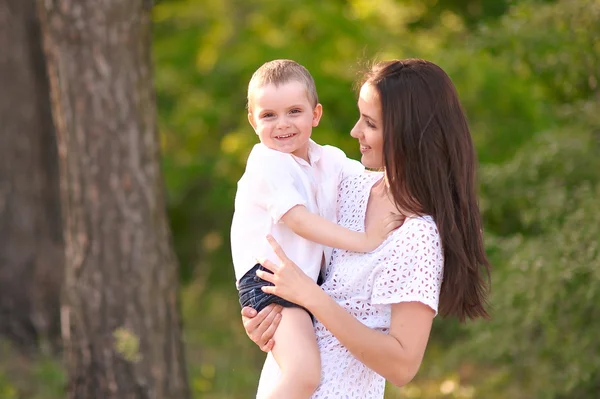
(369, 163)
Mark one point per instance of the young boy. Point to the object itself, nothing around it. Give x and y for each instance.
(289, 190)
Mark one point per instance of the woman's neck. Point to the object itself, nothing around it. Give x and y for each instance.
(382, 190)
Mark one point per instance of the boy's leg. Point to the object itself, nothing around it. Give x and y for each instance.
(297, 355)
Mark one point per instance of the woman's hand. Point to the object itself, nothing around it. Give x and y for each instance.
(289, 281)
(261, 327)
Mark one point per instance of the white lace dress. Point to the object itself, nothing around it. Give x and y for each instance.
(408, 266)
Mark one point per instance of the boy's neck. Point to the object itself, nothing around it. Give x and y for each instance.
(303, 153)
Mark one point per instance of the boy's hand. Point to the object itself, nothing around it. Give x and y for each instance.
(382, 230)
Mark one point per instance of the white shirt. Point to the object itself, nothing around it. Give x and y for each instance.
(407, 267)
(273, 183)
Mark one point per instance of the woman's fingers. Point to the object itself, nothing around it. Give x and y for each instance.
(256, 326)
(270, 333)
(251, 323)
(269, 289)
(268, 347)
(248, 312)
(266, 330)
(270, 277)
(277, 249)
(267, 264)
(394, 220)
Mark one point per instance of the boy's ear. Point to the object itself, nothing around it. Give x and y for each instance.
(317, 113)
(252, 122)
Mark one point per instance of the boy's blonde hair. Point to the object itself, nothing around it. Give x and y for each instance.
(278, 72)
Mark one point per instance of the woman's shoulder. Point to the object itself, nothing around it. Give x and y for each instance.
(352, 191)
(412, 266)
(423, 224)
(420, 222)
(418, 233)
(415, 233)
(360, 182)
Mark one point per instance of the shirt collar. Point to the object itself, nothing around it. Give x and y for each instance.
(314, 154)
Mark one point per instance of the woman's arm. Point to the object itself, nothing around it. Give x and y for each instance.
(315, 228)
(396, 355)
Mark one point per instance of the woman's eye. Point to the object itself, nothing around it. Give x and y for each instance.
(370, 124)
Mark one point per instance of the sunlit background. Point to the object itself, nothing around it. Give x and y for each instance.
(527, 73)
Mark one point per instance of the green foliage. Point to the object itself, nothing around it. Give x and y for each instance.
(557, 43)
(530, 194)
(505, 110)
(527, 75)
(7, 390)
(205, 56)
(546, 286)
(127, 344)
(41, 377)
(473, 12)
(541, 213)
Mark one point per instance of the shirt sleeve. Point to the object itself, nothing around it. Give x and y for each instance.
(276, 183)
(346, 166)
(351, 167)
(411, 269)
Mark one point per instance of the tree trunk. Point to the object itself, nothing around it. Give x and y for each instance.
(31, 246)
(121, 322)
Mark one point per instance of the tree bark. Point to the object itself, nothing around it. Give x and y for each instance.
(121, 322)
(31, 246)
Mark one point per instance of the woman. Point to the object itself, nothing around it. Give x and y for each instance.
(374, 311)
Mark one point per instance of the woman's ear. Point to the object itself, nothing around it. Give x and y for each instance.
(317, 113)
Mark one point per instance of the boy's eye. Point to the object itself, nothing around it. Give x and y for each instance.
(295, 111)
(267, 115)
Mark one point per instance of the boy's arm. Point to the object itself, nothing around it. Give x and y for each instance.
(318, 229)
(351, 167)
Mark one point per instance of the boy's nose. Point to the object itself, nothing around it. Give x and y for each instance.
(282, 123)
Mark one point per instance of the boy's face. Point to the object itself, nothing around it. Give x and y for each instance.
(283, 117)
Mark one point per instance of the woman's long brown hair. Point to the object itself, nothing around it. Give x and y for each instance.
(430, 164)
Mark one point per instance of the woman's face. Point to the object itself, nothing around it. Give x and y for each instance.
(368, 130)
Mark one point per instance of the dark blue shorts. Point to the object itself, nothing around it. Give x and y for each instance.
(251, 294)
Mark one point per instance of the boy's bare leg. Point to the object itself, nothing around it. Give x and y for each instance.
(297, 355)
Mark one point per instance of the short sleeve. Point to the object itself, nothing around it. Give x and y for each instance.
(411, 268)
(272, 174)
(346, 166)
(351, 167)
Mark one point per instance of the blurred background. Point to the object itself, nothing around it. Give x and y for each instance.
(527, 73)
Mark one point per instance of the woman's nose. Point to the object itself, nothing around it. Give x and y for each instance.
(354, 132)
